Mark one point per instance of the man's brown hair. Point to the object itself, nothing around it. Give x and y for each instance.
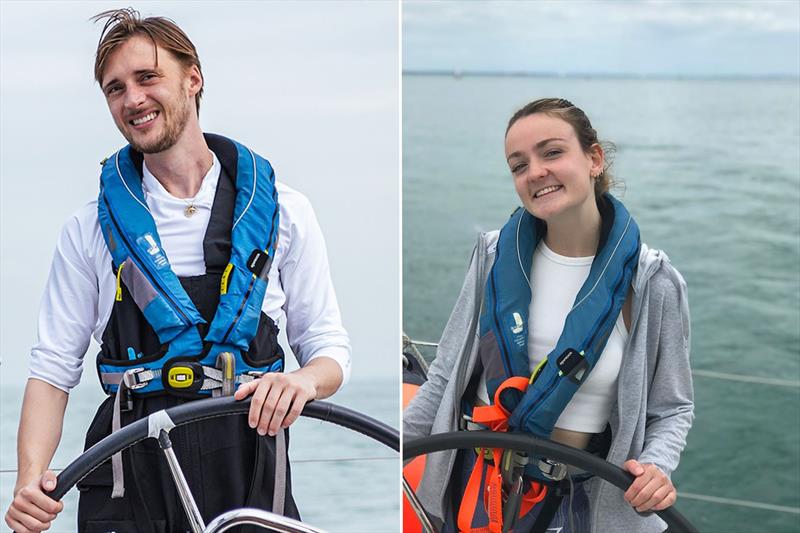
(122, 24)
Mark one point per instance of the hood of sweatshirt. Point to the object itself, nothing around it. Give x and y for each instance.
(650, 261)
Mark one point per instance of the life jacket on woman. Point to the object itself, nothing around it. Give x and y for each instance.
(531, 402)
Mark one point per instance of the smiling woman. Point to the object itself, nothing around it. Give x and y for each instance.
(555, 320)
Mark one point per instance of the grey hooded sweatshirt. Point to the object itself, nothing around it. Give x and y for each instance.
(654, 407)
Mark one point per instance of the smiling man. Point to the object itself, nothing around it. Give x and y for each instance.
(182, 270)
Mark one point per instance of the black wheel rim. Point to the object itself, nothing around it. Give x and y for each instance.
(211, 408)
(526, 443)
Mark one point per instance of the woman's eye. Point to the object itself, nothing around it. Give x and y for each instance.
(518, 168)
(552, 153)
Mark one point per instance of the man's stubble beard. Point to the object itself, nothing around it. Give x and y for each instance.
(173, 128)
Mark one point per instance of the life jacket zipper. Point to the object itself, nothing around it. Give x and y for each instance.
(143, 264)
(241, 308)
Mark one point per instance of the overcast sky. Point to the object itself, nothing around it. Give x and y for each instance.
(312, 86)
(716, 38)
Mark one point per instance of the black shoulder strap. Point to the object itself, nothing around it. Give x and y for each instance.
(217, 241)
(606, 220)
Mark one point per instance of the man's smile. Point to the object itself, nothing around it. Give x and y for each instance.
(146, 119)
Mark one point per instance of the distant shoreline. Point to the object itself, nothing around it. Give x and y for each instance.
(455, 73)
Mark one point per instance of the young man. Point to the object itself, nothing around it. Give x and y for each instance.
(190, 257)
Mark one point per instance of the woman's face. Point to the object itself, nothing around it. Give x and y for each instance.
(552, 174)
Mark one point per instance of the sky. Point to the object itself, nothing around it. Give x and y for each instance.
(663, 38)
(313, 87)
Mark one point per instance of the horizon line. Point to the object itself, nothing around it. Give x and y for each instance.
(458, 73)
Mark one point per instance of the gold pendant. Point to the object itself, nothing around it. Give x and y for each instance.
(189, 211)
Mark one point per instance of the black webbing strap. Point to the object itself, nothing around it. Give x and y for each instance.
(550, 506)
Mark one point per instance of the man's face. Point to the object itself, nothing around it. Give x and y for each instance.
(151, 104)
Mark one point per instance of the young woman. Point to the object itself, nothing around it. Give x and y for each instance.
(567, 296)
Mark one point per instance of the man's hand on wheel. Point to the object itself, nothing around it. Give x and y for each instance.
(278, 400)
(32, 510)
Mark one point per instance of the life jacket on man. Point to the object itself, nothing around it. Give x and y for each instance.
(531, 402)
(171, 339)
(239, 247)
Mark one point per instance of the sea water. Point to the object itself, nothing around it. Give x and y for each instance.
(342, 481)
(711, 175)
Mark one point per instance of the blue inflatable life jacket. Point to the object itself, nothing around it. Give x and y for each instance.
(190, 364)
(503, 349)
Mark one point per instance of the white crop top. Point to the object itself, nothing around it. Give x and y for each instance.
(557, 280)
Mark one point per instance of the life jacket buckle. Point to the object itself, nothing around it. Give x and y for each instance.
(133, 379)
(247, 377)
(183, 376)
(512, 467)
(551, 469)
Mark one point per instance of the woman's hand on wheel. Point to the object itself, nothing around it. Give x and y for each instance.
(652, 490)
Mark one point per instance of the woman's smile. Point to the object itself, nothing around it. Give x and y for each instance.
(547, 190)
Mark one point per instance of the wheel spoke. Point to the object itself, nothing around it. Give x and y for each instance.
(189, 505)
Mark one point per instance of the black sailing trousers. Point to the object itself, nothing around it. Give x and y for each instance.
(226, 463)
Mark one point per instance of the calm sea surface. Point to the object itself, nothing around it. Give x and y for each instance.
(711, 176)
(342, 481)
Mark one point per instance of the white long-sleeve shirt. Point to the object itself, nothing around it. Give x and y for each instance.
(80, 290)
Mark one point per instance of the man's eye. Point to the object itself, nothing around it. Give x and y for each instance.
(112, 90)
(146, 77)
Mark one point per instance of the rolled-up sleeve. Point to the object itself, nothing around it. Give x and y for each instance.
(68, 313)
(313, 321)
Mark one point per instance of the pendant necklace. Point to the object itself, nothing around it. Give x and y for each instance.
(190, 208)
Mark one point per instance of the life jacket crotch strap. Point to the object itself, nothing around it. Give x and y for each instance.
(495, 417)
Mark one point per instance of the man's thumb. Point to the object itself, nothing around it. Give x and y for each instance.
(48, 481)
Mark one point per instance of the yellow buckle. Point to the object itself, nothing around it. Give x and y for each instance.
(180, 377)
